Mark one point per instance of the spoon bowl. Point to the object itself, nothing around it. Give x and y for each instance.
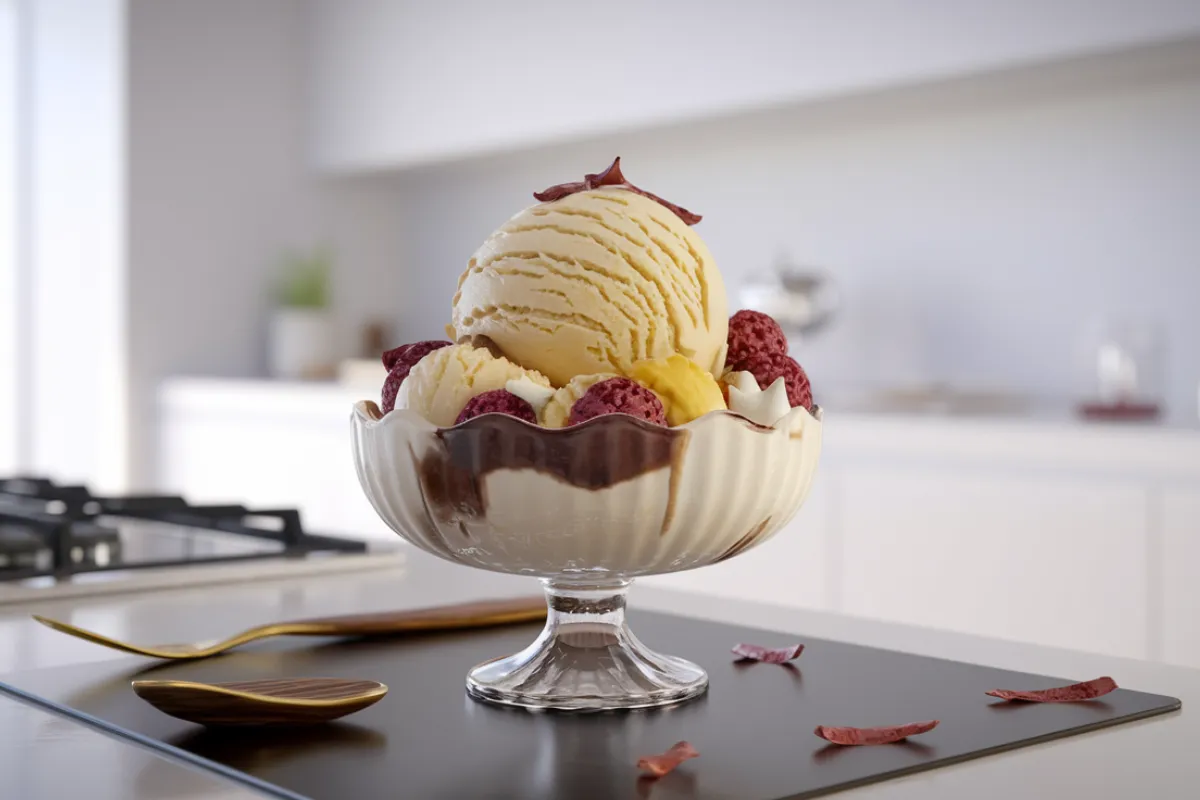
(283, 701)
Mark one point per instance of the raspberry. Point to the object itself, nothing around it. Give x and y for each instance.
(497, 401)
(618, 396)
(753, 333)
(766, 368)
(399, 361)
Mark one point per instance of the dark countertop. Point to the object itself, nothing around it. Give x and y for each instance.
(44, 755)
(1152, 758)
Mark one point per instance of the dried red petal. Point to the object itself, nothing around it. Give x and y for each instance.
(769, 655)
(1088, 690)
(660, 765)
(611, 177)
(866, 736)
(559, 191)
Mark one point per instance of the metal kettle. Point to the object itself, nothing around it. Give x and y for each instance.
(801, 299)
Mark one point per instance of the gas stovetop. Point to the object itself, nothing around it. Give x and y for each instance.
(52, 534)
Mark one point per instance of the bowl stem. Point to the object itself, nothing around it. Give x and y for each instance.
(586, 659)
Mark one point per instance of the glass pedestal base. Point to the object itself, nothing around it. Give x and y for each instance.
(586, 659)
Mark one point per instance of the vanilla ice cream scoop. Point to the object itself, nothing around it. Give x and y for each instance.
(592, 283)
(441, 384)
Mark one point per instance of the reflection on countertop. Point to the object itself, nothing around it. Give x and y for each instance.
(45, 755)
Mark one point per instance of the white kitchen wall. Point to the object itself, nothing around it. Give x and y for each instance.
(71, 234)
(974, 224)
(409, 82)
(9, 306)
(219, 188)
(975, 227)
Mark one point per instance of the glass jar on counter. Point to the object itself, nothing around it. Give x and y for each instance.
(1125, 370)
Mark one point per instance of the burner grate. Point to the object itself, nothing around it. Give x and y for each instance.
(47, 529)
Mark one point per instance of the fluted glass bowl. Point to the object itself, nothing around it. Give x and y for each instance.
(586, 509)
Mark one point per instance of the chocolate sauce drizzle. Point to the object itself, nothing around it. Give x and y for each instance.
(594, 455)
(611, 177)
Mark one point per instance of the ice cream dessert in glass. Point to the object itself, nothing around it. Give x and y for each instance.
(593, 415)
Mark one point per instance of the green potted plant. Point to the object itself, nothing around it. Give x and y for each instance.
(301, 327)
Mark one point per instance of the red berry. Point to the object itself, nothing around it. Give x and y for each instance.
(767, 368)
(399, 361)
(753, 333)
(497, 401)
(618, 396)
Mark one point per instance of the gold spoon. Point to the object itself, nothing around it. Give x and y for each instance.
(478, 614)
(286, 701)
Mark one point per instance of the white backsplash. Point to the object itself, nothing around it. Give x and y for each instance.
(972, 238)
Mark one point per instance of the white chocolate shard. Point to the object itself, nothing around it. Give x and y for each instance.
(534, 394)
(761, 406)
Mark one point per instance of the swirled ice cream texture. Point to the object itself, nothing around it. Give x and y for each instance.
(593, 283)
(443, 382)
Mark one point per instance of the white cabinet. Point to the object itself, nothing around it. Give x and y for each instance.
(397, 84)
(1179, 516)
(793, 568)
(1037, 559)
(266, 445)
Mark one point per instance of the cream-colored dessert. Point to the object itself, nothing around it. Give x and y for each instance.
(594, 282)
(579, 424)
(578, 432)
(440, 384)
(614, 497)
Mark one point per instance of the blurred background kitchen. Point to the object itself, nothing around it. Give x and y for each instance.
(980, 221)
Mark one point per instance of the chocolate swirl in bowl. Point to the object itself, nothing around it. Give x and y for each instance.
(595, 455)
(614, 495)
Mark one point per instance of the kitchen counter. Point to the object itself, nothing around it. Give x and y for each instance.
(1152, 758)
(36, 745)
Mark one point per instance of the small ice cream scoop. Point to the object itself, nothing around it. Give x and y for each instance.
(440, 385)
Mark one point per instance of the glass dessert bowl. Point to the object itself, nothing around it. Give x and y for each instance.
(592, 415)
(586, 509)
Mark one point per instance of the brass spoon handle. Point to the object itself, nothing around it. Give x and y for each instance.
(460, 615)
(477, 614)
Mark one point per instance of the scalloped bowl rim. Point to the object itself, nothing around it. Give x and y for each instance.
(409, 418)
(695, 545)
